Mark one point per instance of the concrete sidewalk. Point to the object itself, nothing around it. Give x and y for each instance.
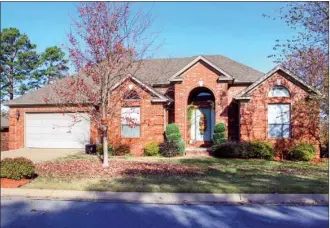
(167, 198)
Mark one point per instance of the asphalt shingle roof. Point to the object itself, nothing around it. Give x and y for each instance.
(156, 71)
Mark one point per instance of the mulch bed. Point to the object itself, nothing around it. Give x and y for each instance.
(93, 168)
(9, 183)
(320, 160)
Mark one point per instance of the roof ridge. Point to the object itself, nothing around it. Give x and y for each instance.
(167, 58)
(225, 57)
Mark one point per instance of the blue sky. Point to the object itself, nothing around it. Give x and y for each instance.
(233, 29)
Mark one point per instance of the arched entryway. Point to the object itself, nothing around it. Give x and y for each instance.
(201, 118)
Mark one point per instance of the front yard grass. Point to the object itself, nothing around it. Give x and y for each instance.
(200, 175)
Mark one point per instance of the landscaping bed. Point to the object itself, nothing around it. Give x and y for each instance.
(9, 183)
(208, 174)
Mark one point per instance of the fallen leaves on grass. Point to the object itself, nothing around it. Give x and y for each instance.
(93, 168)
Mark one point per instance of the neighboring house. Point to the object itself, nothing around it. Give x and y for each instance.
(195, 93)
(4, 134)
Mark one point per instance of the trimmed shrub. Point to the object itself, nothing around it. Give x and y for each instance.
(120, 150)
(181, 147)
(151, 149)
(324, 153)
(261, 150)
(169, 149)
(230, 150)
(173, 141)
(17, 168)
(173, 132)
(302, 152)
(219, 135)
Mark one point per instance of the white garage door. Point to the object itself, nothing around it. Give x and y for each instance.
(57, 130)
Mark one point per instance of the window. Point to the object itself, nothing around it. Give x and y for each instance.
(131, 95)
(279, 91)
(130, 122)
(278, 120)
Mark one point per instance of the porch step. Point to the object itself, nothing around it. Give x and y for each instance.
(197, 151)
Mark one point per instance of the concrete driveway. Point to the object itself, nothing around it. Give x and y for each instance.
(40, 155)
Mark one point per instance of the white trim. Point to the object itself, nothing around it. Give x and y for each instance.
(243, 98)
(199, 58)
(267, 75)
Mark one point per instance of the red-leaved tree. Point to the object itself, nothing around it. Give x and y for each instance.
(107, 43)
(307, 53)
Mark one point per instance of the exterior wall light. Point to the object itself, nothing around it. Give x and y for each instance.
(201, 83)
(17, 114)
(130, 86)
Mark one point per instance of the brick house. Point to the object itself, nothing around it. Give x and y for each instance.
(4, 133)
(195, 92)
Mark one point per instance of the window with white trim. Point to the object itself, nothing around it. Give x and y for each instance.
(130, 122)
(131, 95)
(278, 120)
(279, 91)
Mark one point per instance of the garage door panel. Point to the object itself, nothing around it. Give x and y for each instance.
(55, 130)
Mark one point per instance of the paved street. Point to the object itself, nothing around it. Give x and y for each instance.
(51, 213)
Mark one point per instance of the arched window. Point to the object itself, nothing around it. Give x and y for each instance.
(279, 91)
(131, 95)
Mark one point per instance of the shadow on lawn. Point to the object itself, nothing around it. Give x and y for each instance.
(47, 213)
(219, 161)
(214, 181)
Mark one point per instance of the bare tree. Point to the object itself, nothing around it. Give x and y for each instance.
(107, 43)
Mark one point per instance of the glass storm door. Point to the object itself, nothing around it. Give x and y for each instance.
(202, 124)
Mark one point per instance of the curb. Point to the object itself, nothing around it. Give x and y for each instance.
(167, 198)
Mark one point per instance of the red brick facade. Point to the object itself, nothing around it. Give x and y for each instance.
(191, 79)
(244, 120)
(254, 118)
(152, 119)
(4, 140)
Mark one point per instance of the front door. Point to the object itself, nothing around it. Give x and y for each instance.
(202, 124)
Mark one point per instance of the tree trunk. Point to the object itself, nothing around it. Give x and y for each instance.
(11, 87)
(105, 147)
(105, 138)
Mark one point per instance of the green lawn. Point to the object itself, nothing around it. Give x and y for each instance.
(215, 176)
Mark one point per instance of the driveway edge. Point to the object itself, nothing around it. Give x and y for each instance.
(167, 198)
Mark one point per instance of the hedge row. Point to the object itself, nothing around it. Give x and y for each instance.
(244, 150)
(263, 150)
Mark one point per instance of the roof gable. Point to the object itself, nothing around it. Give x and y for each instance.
(245, 93)
(158, 97)
(176, 76)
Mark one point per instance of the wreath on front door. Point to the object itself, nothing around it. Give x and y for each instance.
(202, 124)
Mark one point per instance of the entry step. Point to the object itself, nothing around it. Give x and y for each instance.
(198, 151)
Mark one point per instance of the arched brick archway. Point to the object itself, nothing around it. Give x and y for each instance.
(200, 119)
